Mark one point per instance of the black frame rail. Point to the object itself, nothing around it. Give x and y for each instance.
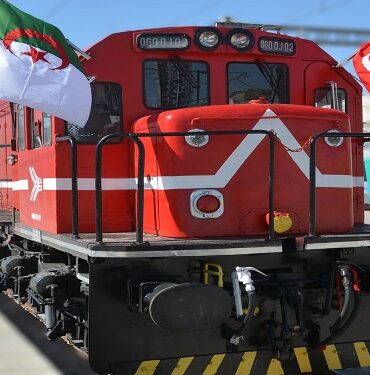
(134, 137)
(312, 197)
(73, 144)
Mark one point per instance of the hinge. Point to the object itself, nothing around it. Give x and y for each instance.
(359, 200)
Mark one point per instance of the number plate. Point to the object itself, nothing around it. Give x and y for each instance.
(277, 46)
(159, 42)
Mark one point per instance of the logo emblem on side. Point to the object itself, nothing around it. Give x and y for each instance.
(37, 184)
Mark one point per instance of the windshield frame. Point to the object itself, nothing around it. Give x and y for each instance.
(253, 62)
(170, 59)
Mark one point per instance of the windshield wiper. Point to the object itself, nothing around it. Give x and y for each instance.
(267, 73)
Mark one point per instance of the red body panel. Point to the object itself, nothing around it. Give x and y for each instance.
(117, 59)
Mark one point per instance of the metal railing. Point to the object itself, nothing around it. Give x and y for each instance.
(134, 137)
(312, 197)
(73, 144)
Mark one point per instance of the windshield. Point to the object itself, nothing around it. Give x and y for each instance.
(175, 83)
(250, 81)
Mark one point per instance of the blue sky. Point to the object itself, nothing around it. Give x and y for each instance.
(86, 21)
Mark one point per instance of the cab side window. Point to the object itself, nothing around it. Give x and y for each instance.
(35, 130)
(324, 99)
(21, 127)
(105, 116)
(46, 129)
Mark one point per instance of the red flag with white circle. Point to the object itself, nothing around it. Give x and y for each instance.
(361, 62)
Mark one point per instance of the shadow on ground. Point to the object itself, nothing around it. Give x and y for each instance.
(64, 357)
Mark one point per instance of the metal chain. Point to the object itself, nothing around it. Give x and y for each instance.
(286, 148)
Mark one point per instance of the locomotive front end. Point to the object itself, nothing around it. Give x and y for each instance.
(213, 171)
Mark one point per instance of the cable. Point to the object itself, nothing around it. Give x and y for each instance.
(322, 9)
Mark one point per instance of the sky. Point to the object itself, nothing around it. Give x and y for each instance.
(86, 21)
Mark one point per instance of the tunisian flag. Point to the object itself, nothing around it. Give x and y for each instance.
(39, 69)
(361, 62)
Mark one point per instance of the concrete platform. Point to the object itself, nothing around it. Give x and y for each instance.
(25, 350)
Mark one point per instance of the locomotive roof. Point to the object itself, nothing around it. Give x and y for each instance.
(305, 48)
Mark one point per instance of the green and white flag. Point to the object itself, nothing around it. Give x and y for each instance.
(39, 69)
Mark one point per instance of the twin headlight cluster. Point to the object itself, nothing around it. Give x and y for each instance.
(206, 38)
(209, 39)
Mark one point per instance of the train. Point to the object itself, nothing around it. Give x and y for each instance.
(209, 218)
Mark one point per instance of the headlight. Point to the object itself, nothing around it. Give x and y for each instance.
(240, 39)
(197, 140)
(208, 39)
(333, 141)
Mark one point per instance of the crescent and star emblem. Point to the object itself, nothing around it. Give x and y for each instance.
(33, 52)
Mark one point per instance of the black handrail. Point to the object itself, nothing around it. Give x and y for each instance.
(73, 144)
(141, 162)
(312, 198)
(98, 185)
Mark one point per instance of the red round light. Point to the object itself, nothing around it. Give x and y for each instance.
(208, 204)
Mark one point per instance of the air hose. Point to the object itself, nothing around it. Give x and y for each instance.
(345, 325)
(239, 334)
(243, 275)
(350, 309)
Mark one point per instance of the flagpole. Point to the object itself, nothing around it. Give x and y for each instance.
(79, 50)
(345, 61)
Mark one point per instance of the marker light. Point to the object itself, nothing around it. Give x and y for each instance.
(240, 39)
(333, 141)
(207, 39)
(197, 140)
(206, 204)
(282, 221)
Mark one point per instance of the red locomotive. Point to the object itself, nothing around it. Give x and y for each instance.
(210, 152)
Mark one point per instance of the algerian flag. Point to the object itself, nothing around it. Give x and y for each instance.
(39, 69)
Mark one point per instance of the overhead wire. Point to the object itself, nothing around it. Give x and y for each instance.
(322, 9)
(56, 8)
(194, 12)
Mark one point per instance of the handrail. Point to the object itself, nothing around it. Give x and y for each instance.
(73, 144)
(141, 163)
(312, 197)
(98, 185)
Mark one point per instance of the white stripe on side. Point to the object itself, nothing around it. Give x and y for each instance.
(221, 178)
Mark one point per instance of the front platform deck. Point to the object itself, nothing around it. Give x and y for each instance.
(123, 245)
